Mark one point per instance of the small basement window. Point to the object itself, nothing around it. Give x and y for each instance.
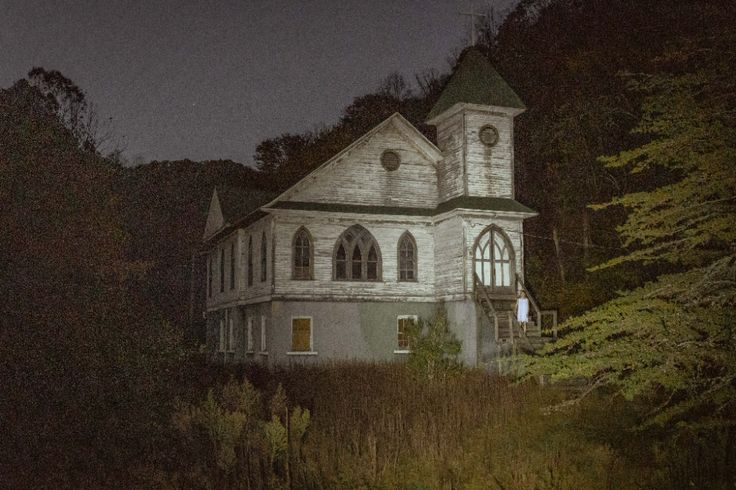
(301, 336)
(403, 324)
(390, 160)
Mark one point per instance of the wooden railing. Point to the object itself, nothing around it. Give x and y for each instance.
(480, 289)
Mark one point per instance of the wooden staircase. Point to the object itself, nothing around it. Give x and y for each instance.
(510, 336)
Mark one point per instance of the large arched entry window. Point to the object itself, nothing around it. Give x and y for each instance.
(493, 260)
(357, 256)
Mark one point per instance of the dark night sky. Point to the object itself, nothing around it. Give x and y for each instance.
(211, 79)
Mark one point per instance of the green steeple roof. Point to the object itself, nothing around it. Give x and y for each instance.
(475, 81)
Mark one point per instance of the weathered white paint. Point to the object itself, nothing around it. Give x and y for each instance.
(325, 228)
(256, 232)
(468, 167)
(228, 295)
(463, 166)
(359, 177)
(489, 169)
(450, 171)
(449, 256)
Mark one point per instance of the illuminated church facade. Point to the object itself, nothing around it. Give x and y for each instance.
(379, 236)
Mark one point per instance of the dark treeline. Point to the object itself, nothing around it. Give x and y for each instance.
(101, 385)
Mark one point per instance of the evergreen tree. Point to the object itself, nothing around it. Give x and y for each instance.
(672, 339)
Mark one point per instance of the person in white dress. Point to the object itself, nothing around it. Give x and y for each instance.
(522, 310)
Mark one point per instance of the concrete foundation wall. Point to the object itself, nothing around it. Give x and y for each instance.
(462, 320)
(341, 330)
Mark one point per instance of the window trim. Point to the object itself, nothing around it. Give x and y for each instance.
(310, 243)
(311, 351)
(491, 230)
(230, 334)
(407, 350)
(407, 236)
(249, 343)
(221, 336)
(264, 344)
(364, 249)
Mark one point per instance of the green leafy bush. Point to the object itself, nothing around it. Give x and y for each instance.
(434, 349)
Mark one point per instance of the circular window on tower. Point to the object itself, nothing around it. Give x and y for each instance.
(390, 160)
(488, 135)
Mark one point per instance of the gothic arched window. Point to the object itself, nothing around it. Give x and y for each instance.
(264, 257)
(494, 259)
(407, 258)
(357, 256)
(302, 252)
(250, 261)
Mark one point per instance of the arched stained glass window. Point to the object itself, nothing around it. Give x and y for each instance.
(302, 255)
(358, 246)
(494, 260)
(372, 264)
(341, 268)
(407, 258)
(356, 264)
(250, 261)
(264, 257)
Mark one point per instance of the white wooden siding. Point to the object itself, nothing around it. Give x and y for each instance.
(325, 229)
(490, 171)
(450, 169)
(229, 295)
(359, 178)
(444, 243)
(469, 167)
(259, 288)
(449, 257)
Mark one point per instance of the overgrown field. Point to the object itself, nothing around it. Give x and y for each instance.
(376, 426)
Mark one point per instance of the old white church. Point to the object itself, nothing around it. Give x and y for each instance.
(379, 235)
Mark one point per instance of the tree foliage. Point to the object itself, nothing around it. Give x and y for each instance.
(672, 340)
(434, 349)
(81, 351)
(244, 447)
(287, 158)
(563, 58)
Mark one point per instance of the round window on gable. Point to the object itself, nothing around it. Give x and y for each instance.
(390, 160)
(488, 135)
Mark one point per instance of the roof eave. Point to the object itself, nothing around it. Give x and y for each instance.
(461, 106)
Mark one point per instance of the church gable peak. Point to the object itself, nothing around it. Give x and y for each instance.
(475, 81)
(215, 220)
(360, 173)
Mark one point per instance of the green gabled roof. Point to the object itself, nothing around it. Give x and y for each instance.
(463, 202)
(239, 201)
(484, 204)
(475, 81)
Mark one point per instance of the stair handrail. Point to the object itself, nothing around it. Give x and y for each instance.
(493, 315)
(478, 285)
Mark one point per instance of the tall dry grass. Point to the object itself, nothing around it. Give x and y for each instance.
(375, 426)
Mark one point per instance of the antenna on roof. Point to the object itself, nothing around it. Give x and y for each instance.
(473, 22)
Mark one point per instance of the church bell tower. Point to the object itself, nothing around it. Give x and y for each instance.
(474, 117)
